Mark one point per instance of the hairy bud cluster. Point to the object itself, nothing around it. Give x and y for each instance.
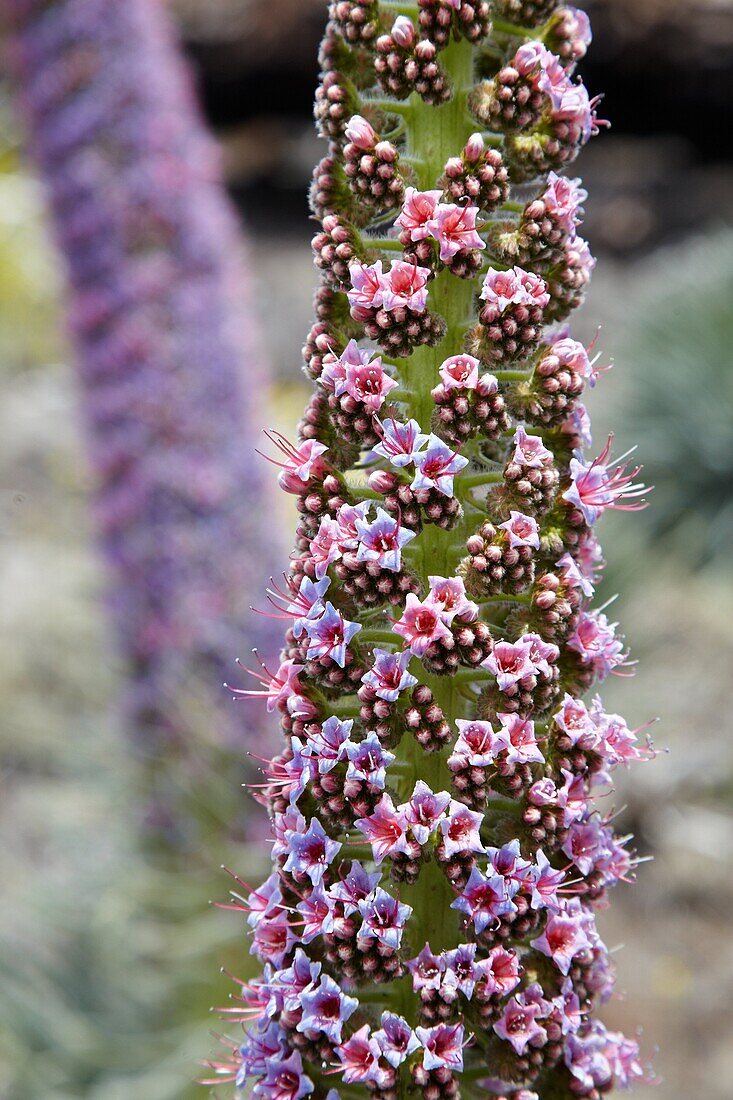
(436, 812)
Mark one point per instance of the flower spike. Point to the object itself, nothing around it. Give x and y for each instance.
(440, 626)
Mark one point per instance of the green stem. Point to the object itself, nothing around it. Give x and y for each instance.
(434, 135)
(517, 32)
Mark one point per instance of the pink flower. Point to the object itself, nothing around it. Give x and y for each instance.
(477, 745)
(369, 384)
(449, 594)
(523, 747)
(594, 640)
(347, 518)
(417, 210)
(574, 720)
(534, 59)
(325, 546)
(571, 798)
(359, 1057)
(424, 811)
(545, 882)
(360, 133)
(572, 353)
(454, 228)
(572, 104)
(426, 969)
(530, 451)
(543, 654)
(510, 662)
(301, 463)
(572, 577)
(518, 1024)
(594, 487)
(522, 530)
(436, 466)
(405, 285)
(501, 970)
(562, 939)
(502, 288)
(333, 375)
(421, 625)
(366, 286)
(460, 372)
(564, 199)
(385, 829)
(442, 1046)
(278, 688)
(534, 289)
(461, 830)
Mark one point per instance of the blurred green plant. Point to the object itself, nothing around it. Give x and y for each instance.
(29, 275)
(678, 334)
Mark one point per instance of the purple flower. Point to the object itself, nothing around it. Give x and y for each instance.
(460, 969)
(400, 443)
(368, 761)
(396, 1039)
(485, 899)
(383, 919)
(388, 675)
(284, 1079)
(354, 887)
(317, 913)
(328, 743)
(330, 635)
(311, 851)
(326, 1009)
(381, 541)
(307, 604)
(518, 1024)
(427, 970)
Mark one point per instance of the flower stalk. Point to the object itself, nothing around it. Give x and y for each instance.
(458, 952)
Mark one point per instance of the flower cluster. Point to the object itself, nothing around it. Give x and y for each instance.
(437, 807)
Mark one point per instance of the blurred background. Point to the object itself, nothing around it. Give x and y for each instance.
(108, 950)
